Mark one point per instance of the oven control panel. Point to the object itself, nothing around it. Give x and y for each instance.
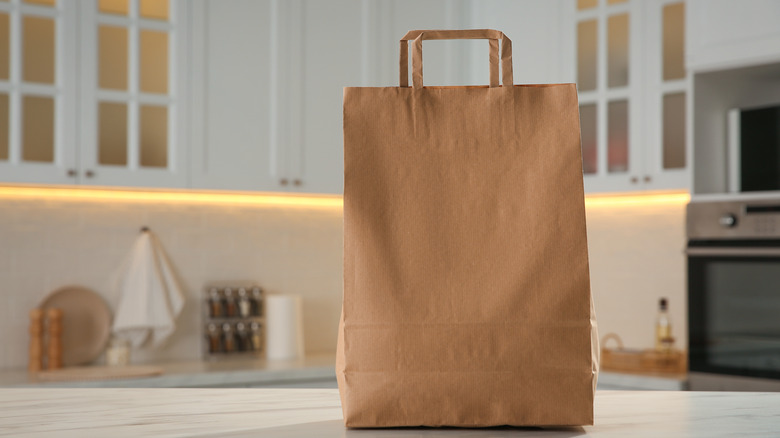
(733, 219)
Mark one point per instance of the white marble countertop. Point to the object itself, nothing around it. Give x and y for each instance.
(202, 374)
(45, 412)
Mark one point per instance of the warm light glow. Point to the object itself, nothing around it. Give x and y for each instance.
(636, 200)
(273, 199)
(182, 197)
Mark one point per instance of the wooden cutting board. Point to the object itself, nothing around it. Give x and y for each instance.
(77, 374)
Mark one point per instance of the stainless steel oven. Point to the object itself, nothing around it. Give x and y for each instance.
(734, 295)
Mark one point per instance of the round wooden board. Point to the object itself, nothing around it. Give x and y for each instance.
(86, 323)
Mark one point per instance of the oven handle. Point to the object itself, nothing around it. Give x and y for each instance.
(732, 252)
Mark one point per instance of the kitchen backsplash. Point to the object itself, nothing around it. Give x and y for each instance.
(635, 248)
(45, 244)
(636, 257)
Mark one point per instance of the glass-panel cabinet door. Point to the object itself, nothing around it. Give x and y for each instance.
(134, 93)
(37, 116)
(633, 90)
(667, 155)
(607, 82)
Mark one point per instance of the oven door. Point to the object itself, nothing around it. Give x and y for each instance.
(734, 314)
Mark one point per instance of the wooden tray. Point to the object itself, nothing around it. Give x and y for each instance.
(641, 361)
(80, 374)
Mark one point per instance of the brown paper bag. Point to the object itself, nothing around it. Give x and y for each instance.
(466, 286)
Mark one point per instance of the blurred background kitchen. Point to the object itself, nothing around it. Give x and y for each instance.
(217, 125)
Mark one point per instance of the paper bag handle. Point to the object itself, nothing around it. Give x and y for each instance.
(469, 34)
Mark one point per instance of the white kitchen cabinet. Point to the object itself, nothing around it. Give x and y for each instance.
(538, 36)
(328, 58)
(727, 34)
(37, 93)
(134, 93)
(268, 101)
(273, 74)
(362, 50)
(231, 95)
(627, 58)
(94, 93)
(254, 88)
(267, 106)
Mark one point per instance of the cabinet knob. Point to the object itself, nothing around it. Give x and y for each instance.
(634, 180)
(297, 182)
(728, 220)
(647, 178)
(71, 172)
(283, 181)
(89, 174)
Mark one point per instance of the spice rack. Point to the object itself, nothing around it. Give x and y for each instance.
(234, 315)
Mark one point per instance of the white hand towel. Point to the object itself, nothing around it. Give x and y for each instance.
(150, 297)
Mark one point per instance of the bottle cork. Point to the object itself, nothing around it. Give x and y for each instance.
(54, 332)
(36, 341)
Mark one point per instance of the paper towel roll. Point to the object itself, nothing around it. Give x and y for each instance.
(284, 326)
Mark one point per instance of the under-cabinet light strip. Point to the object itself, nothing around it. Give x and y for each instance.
(272, 199)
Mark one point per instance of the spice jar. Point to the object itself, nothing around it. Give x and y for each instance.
(244, 342)
(257, 336)
(215, 303)
(244, 305)
(228, 339)
(230, 303)
(257, 301)
(212, 336)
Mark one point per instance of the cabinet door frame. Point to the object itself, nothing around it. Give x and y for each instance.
(175, 174)
(603, 180)
(15, 170)
(286, 167)
(655, 89)
(222, 156)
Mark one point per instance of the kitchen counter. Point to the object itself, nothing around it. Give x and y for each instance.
(646, 381)
(312, 371)
(43, 412)
(315, 371)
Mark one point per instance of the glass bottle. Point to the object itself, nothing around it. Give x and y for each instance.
(663, 327)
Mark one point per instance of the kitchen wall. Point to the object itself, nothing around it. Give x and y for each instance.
(46, 242)
(636, 257)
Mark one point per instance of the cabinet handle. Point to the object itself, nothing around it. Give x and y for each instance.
(71, 172)
(647, 178)
(634, 180)
(89, 174)
(297, 182)
(283, 181)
